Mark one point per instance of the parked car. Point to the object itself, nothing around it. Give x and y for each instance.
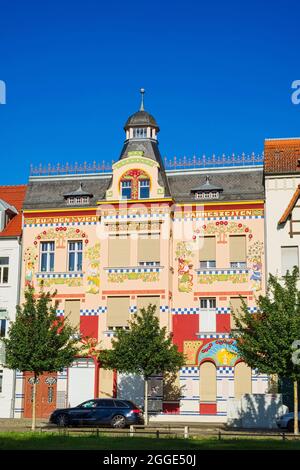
(101, 411)
(286, 421)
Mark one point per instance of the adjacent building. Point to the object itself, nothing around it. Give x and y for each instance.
(11, 201)
(187, 237)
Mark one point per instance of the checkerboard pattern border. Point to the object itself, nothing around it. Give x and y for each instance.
(204, 219)
(133, 270)
(213, 335)
(65, 224)
(59, 275)
(222, 271)
(135, 216)
(185, 311)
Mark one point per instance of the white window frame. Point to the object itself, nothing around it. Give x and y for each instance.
(76, 251)
(125, 184)
(207, 315)
(1, 380)
(144, 186)
(48, 252)
(4, 267)
(139, 132)
(238, 264)
(211, 264)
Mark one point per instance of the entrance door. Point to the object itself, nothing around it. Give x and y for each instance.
(81, 377)
(45, 394)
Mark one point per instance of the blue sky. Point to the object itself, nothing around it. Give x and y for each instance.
(217, 76)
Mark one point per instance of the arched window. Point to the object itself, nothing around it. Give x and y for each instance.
(242, 379)
(135, 184)
(208, 382)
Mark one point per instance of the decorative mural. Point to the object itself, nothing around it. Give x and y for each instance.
(255, 258)
(30, 260)
(89, 347)
(135, 175)
(190, 350)
(235, 278)
(92, 254)
(60, 235)
(223, 352)
(56, 281)
(222, 228)
(184, 255)
(133, 276)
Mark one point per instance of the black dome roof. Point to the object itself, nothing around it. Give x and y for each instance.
(141, 118)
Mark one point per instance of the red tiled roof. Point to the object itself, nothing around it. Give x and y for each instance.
(14, 196)
(290, 207)
(282, 155)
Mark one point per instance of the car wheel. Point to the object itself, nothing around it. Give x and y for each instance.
(62, 421)
(118, 421)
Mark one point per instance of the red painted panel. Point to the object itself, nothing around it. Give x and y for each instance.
(185, 328)
(171, 408)
(89, 326)
(223, 323)
(208, 408)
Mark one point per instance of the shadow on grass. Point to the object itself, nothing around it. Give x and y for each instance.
(27, 441)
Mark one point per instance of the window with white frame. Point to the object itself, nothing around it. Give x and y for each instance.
(4, 269)
(144, 189)
(78, 200)
(47, 256)
(207, 252)
(75, 256)
(2, 328)
(207, 315)
(1, 380)
(126, 189)
(140, 133)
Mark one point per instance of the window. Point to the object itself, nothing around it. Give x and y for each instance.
(140, 133)
(72, 311)
(75, 256)
(205, 195)
(1, 380)
(144, 189)
(208, 383)
(105, 404)
(289, 258)
(207, 315)
(237, 248)
(47, 256)
(80, 200)
(4, 262)
(145, 301)
(149, 249)
(89, 404)
(2, 328)
(126, 189)
(117, 312)
(236, 307)
(119, 251)
(242, 380)
(207, 252)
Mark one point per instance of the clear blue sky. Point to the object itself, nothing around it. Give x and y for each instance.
(217, 76)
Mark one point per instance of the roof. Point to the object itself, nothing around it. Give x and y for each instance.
(141, 118)
(237, 185)
(282, 156)
(78, 192)
(50, 194)
(290, 207)
(13, 196)
(207, 186)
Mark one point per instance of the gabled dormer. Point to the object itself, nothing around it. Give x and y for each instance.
(7, 212)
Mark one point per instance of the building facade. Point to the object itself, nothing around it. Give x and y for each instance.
(11, 201)
(189, 239)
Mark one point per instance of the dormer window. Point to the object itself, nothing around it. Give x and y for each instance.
(140, 132)
(207, 191)
(144, 189)
(135, 184)
(126, 189)
(78, 197)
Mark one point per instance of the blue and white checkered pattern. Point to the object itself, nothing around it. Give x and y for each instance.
(109, 334)
(185, 311)
(227, 370)
(163, 308)
(186, 370)
(133, 308)
(135, 216)
(86, 312)
(102, 309)
(223, 271)
(220, 310)
(207, 219)
(133, 270)
(60, 312)
(252, 309)
(67, 224)
(58, 275)
(212, 335)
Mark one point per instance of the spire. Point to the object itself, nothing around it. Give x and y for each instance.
(142, 91)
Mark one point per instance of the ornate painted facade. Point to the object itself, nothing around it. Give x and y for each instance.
(138, 235)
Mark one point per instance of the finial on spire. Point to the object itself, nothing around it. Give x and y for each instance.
(142, 90)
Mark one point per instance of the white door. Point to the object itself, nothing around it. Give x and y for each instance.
(81, 378)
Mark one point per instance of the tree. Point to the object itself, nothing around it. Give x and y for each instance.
(39, 341)
(267, 340)
(145, 349)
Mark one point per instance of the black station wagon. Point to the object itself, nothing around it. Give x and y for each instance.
(102, 411)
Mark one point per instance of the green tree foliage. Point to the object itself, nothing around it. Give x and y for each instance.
(266, 340)
(39, 341)
(145, 349)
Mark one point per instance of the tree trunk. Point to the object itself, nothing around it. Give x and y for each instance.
(296, 424)
(33, 404)
(146, 401)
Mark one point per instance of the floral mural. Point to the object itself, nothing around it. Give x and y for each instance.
(133, 276)
(235, 278)
(30, 260)
(223, 228)
(255, 258)
(184, 255)
(92, 255)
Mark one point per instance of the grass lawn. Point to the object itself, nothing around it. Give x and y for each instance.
(47, 441)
